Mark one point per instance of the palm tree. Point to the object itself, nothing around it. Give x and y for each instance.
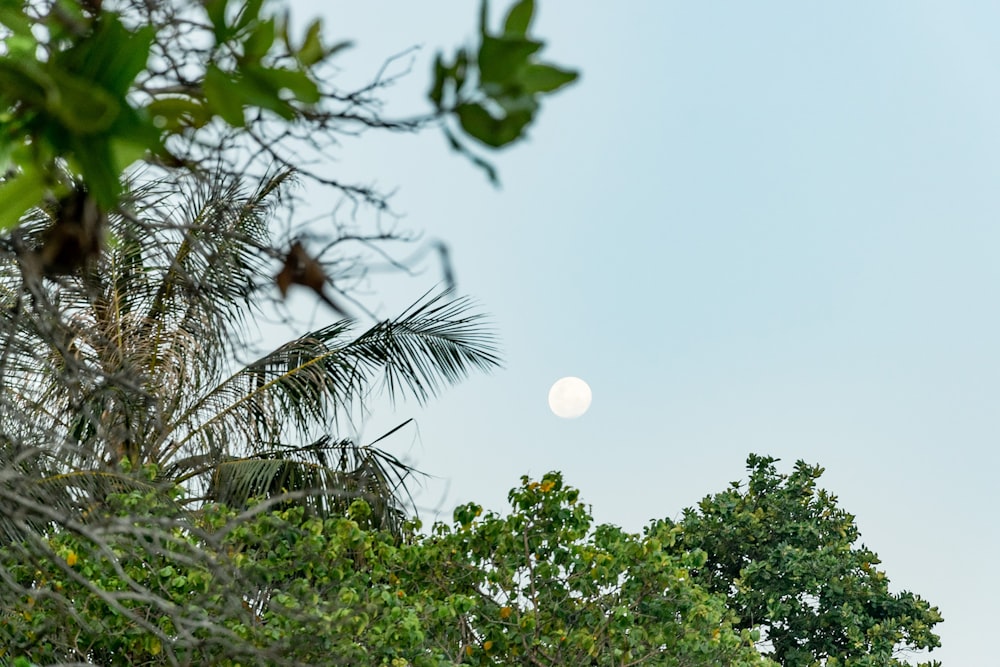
(130, 364)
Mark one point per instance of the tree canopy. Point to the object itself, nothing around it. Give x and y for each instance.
(538, 585)
(787, 559)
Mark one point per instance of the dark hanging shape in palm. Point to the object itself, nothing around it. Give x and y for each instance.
(136, 367)
(302, 269)
(74, 240)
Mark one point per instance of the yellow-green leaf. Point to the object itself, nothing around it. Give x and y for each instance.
(19, 194)
(312, 46)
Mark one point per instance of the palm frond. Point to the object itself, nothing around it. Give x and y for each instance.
(321, 375)
(436, 342)
(22, 472)
(32, 491)
(295, 387)
(209, 257)
(325, 476)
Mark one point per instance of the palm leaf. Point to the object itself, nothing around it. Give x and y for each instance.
(436, 342)
(326, 475)
(321, 376)
(317, 378)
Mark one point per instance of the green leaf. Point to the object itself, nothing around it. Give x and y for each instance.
(13, 18)
(258, 88)
(126, 151)
(516, 104)
(495, 132)
(175, 113)
(216, 10)
(220, 96)
(24, 83)
(19, 46)
(436, 93)
(460, 68)
(260, 40)
(460, 148)
(500, 59)
(296, 82)
(111, 58)
(519, 18)
(95, 160)
(132, 136)
(484, 13)
(337, 48)
(80, 105)
(312, 46)
(249, 13)
(538, 78)
(129, 53)
(19, 194)
(477, 122)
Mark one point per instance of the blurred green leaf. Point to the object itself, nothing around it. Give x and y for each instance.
(495, 132)
(337, 48)
(297, 82)
(260, 40)
(111, 58)
(95, 160)
(257, 87)
(13, 18)
(249, 13)
(436, 93)
(312, 46)
(519, 18)
(19, 194)
(221, 96)
(538, 78)
(216, 10)
(496, 106)
(500, 58)
(176, 113)
(485, 165)
(80, 105)
(23, 82)
(133, 136)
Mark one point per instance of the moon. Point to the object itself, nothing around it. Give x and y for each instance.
(569, 397)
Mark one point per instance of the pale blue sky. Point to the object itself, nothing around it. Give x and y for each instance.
(763, 227)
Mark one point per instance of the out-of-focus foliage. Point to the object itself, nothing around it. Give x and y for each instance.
(495, 89)
(787, 559)
(91, 87)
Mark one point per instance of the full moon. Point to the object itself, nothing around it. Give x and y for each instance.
(569, 397)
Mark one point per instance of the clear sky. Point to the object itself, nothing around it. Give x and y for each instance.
(764, 227)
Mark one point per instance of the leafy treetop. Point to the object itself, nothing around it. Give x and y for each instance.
(786, 558)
